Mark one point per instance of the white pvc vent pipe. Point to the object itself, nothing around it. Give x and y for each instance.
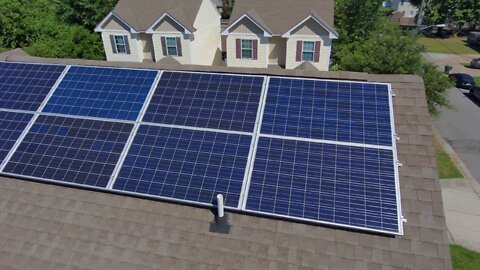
(220, 205)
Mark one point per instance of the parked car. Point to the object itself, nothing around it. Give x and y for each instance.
(462, 80)
(475, 63)
(475, 92)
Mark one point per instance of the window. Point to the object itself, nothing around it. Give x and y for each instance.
(247, 49)
(308, 51)
(171, 43)
(120, 44)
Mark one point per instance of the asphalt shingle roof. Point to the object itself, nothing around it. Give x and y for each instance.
(52, 227)
(141, 14)
(279, 16)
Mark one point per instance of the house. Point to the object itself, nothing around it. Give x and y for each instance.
(150, 30)
(55, 227)
(280, 33)
(404, 12)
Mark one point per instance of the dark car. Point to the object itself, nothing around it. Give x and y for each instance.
(475, 92)
(462, 80)
(475, 63)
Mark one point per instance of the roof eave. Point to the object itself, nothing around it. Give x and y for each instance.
(187, 29)
(99, 28)
(266, 32)
(332, 34)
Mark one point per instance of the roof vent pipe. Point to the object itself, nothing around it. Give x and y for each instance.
(220, 225)
(220, 206)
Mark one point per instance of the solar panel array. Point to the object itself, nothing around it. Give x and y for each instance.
(303, 149)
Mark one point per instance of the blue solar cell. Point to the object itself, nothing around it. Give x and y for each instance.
(346, 185)
(185, 164)
(102, 92)
(327, 110)
(70, 150)
(214, 101)
(25, 86)
(12, 125)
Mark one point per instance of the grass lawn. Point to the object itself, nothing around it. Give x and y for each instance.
(446, 168)
(464, 259)
(477, 80)
(454, 45)
(3, 50)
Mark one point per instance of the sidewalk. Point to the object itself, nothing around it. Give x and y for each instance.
(461, 200)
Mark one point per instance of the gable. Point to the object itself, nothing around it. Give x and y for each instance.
(310, 28)
(113, 23)
(167, 25)
(246, 26)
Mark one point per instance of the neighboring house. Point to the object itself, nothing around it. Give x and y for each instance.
(280, 33)
(402, 6)
(149, 30)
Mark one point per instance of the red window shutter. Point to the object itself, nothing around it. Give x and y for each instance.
(238, 48)
(299, 51)
(255, 49)
(316, 57)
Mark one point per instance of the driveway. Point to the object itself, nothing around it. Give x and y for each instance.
(454, 60)
(461, 128)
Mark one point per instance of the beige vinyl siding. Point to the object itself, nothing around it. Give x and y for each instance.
(206, 42)
(310, 30)
(147, 46)
(262, 52)
(168, 25)
(184, 41)
(246, 26)
(246, 29)
(310, 27)
(325, 50)
(122, 57)
(277, 51)
(113, 23)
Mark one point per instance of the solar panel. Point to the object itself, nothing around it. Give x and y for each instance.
(336, 184)
(328, 110)
(25, 86)
(216, 101)
(102, 92)
(186, 165)
(12, 125)
(312, 150)
(70, 150)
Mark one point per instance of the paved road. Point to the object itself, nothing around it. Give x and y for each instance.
(461, 128)
(454, 60)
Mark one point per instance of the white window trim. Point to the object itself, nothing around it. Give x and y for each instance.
(176, 46)
(117, 45)
(313, 51)
(241, 49)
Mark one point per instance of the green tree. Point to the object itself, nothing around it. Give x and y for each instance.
(36, 26)
(87, 13)
(386, 50)
(458, 13)
(355, 19)
(436, 86)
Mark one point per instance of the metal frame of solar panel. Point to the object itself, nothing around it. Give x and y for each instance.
(260, 135)
(133, 147)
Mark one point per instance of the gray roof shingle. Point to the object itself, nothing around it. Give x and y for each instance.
(141, 14)
(53, 227)
(279, 16)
